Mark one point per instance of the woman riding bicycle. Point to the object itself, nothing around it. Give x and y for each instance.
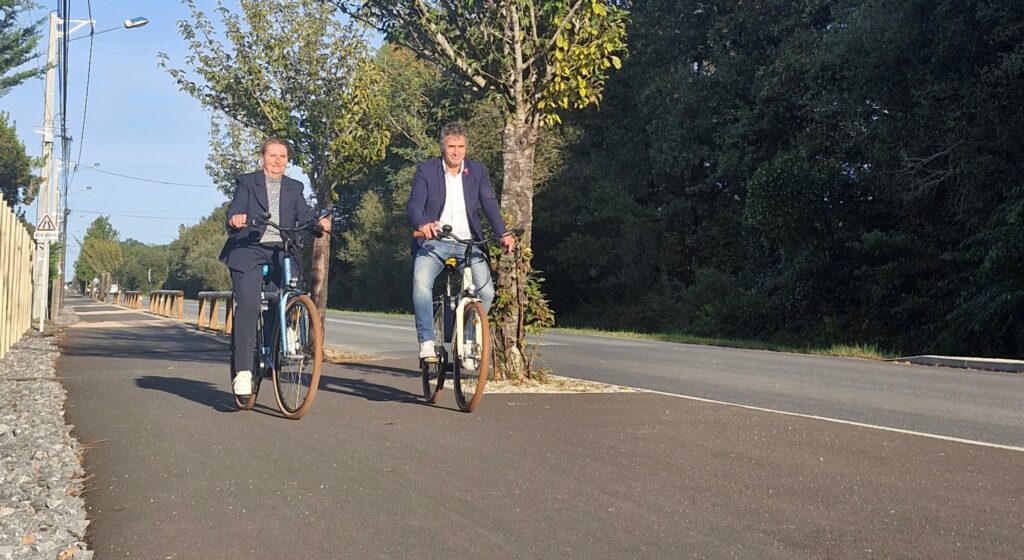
(249, 247)
(449, 190)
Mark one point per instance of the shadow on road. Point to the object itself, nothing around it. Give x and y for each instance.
(158, 343)
(377, 368)
(365, 389)
(202, 392)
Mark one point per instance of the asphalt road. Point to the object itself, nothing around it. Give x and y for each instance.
(371, 472)
(968, 404)
(974, 405)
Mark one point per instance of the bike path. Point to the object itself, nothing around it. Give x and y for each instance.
(371, 472)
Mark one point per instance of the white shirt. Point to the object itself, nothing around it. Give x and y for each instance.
(454, 212)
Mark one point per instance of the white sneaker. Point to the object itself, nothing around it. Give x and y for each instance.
(292, 335)
(470, 363)
(427, 352)
(243, 383)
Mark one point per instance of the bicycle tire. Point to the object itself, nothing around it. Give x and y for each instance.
(432, 374)
(470, 381)
(246, 402)
(297, 377)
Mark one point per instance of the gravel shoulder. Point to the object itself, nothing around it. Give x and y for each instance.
(42, 513)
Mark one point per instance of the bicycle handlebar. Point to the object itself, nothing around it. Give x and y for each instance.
(446, 232)
(264, 219)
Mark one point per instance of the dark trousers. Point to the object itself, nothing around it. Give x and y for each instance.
(247, 284)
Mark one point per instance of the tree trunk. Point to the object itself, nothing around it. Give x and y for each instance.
(321, 256)
(519, 139)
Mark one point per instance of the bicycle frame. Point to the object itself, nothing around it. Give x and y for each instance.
(287, 289)
(284, 294)
(467, 296)
(458, 302)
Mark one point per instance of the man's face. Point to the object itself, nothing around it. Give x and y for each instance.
(454, 150)
(275, 159)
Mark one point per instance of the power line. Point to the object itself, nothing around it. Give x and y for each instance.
(150, 180)
(146, 217)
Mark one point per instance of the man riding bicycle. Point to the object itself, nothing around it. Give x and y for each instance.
(449, 190)
(248, 248)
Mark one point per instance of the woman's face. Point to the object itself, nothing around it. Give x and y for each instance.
(275, 159)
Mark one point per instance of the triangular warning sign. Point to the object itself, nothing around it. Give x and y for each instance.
(46, 224)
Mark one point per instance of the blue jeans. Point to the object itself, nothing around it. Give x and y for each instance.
(427, 264)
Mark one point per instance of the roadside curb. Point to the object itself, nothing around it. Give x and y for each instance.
(990, 364)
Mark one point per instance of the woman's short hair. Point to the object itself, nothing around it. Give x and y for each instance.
(269, 141)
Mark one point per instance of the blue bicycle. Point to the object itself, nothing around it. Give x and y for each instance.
(289, 334)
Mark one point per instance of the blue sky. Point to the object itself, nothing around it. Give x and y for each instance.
(137, 123)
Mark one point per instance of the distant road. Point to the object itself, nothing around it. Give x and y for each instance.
(968, 404)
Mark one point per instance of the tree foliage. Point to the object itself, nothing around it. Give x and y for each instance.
(100, 255)
(192, 258)
(17, 183)
(535, 59)
(17, 43)
(810, 172)
(292, 70)
(144, 266)
(234, 150)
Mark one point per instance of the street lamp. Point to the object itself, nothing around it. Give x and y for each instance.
(48, 201)
(130, 23)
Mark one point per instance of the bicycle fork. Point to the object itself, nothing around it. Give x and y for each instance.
(460, 342)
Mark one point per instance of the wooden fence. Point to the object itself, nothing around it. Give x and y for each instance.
(208, 315)
(131, 299)
(16, 253)
(169, 303)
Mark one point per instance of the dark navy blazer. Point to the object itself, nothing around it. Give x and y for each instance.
(251, 199)
(426, 202)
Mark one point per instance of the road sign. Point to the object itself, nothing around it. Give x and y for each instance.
(42, 235)
(46, 224)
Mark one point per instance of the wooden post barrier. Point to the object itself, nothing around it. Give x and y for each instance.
(208, 310)
(168, 303)
(131, 299)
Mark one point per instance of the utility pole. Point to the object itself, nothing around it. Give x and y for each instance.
(44, 210)
(48, 201)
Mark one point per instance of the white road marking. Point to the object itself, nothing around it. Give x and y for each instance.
(363, 324)
(748, 407)
(839, 421)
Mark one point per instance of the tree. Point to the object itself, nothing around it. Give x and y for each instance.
(144, 267)
(17, 43)
(192, 258)
(234, 149)
(373, 262)
(294, 71)
(17, 184)
(100, 253)
(537, 58)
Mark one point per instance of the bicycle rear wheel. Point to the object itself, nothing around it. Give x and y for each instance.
(470, 368)
(432, 373)
(246, 402)
(297, 371)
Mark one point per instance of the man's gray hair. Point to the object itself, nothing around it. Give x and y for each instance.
(453, 129)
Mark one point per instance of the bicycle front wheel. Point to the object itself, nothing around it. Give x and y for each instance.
(470, 363)
(297, 366)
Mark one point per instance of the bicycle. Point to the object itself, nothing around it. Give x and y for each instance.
(462, 334)
(289, 342)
